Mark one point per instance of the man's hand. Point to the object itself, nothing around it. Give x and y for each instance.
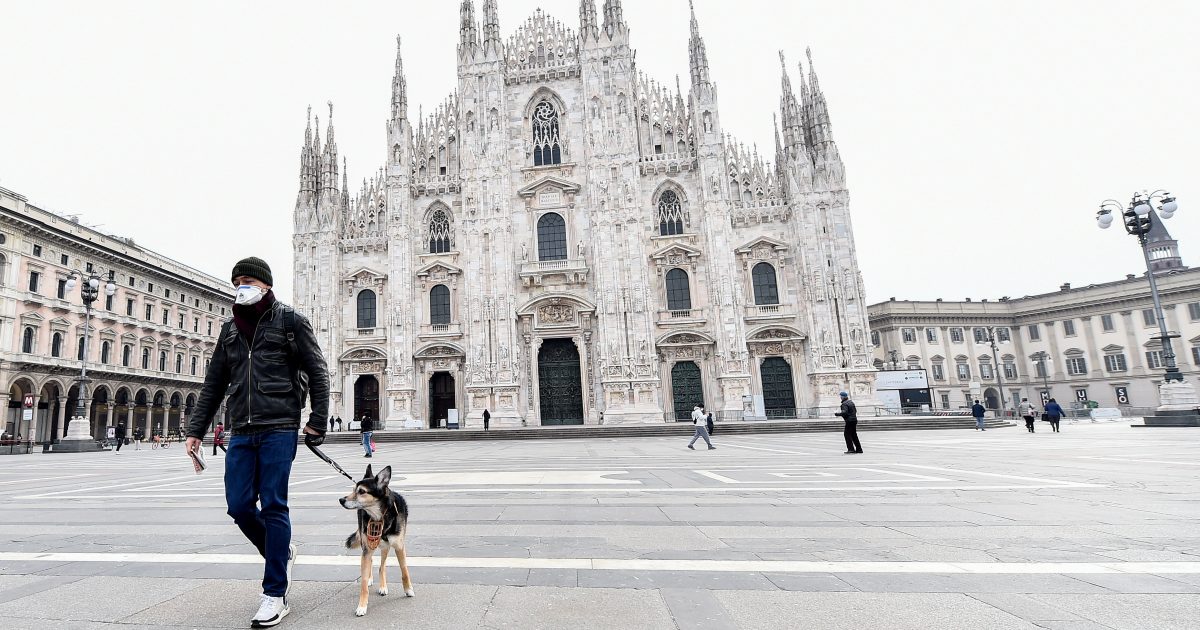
(193, 444)
(313, 437)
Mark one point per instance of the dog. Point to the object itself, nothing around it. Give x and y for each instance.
(382, 523)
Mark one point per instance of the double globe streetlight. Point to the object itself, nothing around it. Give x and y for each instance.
(80, 429)
(1138, 217)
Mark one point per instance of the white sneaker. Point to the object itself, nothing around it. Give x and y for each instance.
(271, 611)
(290, 562)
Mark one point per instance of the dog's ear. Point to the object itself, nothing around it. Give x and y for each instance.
(368, 474)
(384, 477)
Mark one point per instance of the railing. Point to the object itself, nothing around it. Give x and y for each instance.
(542, 265)
(368, 332)
(15, 447)
(440, 328)
(681, 313)
(767, 308)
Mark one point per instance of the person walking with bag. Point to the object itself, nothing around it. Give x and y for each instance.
(219, 439)
(700, 432)
(367, 426)
(1026, 411)
(849, 414)
(267, 361)
(1054, 413)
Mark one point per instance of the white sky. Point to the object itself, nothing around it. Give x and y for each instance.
(978, 138)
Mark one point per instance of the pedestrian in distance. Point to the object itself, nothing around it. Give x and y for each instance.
(367, 427)
(978, 412)
(701, 431)
(289, 367)
(1026, 411)
(849, 414)
(119, 436)
(487, 417)
(139, 434)
(219, 439)
(708, 423)
(1054, 413)
(339, 421)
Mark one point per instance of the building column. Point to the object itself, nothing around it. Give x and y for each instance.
(111, 409)
(62, 417)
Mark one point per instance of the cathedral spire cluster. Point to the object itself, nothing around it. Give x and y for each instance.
(697, 56)
(399, 87)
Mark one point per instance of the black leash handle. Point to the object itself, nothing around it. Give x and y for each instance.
(316, 451)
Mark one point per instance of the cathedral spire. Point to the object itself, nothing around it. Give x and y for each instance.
(588, 28)
(614, 18)
(491, 28)
(697, 57)
(345, 187)
(468, 34)
(399, 88)
(822, 130)
(329, 165)
(307, 166)
(791, 111)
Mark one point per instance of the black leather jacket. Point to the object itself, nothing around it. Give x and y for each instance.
(849, 411)
(262, 378)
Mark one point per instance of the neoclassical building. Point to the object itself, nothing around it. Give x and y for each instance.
(567, 240)
(148, 344)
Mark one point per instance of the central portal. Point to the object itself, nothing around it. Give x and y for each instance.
(441, 398)
(560, 388)
(366, 399)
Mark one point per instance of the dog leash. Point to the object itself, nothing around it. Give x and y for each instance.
(316, 451)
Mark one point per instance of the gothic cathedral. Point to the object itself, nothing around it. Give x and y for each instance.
(565, 240)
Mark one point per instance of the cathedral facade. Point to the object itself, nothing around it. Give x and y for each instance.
(565, 240)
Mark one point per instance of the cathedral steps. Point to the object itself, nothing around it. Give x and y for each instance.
(677, 429)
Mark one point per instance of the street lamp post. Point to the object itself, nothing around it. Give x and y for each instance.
(1043, 358)
(79, 430)
(1176, 398)
(992, 341)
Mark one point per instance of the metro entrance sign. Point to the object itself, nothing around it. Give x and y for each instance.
(27, 404)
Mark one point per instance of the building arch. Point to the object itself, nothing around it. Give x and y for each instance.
(438, 225)
(545, 113)
(671, 209)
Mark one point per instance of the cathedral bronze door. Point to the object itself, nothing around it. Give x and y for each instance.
(779, 398)
(366, 398)
(687, 389)
(441, 398)
(559, 387)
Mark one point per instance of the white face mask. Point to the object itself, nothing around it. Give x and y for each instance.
(247, 295)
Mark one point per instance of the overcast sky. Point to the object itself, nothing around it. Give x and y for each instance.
(978, 138)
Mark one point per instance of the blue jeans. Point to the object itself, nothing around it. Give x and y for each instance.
(366, 441)
(978, 423)
(257, 468)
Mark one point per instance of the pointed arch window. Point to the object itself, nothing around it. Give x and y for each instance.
(670, 214)
(56, 345)
(366, 309)
(552, 237)
(27, 341)
(439, 305)
(679, 292)
(547, 144)
(439, 232)
(766, 288)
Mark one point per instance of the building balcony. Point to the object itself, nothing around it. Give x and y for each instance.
(538, 272)
(29, 297)
(678, 317)
(436, 184)
(769, 312)
(440, 331)
(363, 334)
(666, 163)
(59, 306)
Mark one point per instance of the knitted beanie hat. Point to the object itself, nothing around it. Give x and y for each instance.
(255, 268)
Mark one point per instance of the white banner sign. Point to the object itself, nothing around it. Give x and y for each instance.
(901, 379)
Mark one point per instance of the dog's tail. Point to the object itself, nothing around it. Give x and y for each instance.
(352, 540)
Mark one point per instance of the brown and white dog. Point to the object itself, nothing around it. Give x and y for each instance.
(382, 523)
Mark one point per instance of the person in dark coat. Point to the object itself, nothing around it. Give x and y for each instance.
(1054, 413)
(367, 426)
(978, 411)
(487, 417)
(119, 436)
(708, 421)
(849, 414)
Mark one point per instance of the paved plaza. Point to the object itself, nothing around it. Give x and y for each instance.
(1095, 527)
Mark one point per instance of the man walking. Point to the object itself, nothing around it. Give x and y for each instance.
(367, 426)
(487, 417)
(849, 414)
(119, 435)
(266, 358)
(1054, 413)
(978, 411)
(700, 432)
(1026, 411)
